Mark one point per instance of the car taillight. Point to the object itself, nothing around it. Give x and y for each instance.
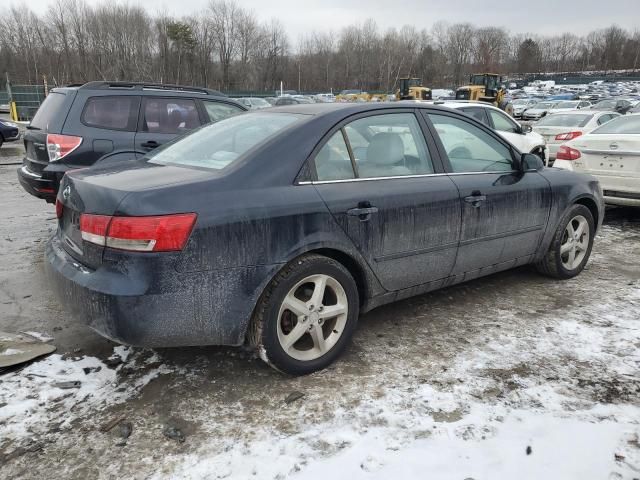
(59, 208)
(93, 228)
(568, 135)
(59, 146)
(567, 153)
(164, 233)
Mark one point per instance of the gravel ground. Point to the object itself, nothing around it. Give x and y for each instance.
(513, 375)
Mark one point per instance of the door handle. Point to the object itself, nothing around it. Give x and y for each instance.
(363, 211)
(150, 144)
(475, 199)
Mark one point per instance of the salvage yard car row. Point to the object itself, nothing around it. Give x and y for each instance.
(278, 227)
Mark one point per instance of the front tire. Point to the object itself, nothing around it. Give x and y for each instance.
(571, 246)
(307, 315)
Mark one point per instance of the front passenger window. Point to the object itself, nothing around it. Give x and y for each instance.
(469, 148)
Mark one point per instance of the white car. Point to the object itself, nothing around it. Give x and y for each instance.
(612, 154)
(539, 110)
(520, 136)
(559, 128)
(568, 105)
(254, 103)
(325, 97)
(521, 104)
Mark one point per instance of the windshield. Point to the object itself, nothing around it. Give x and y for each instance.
(621, 125)
(521, 101)
(260, 102)
(605, 104)
(562, 120)
(544, 105)
(566, 105)
(219, 144)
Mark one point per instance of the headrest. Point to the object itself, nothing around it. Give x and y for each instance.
(385, 149)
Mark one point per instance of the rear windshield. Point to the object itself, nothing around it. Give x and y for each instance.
(560, 120)
(217, 145)
(605, 104)
(50, 108)
(566, 105)
(624, 125)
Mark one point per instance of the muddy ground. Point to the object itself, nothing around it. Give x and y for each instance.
(512, 342)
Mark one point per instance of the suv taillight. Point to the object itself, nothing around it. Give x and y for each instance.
(59, 208)
(59, 146)
(567, 153)
(163, 233)
(568, 135)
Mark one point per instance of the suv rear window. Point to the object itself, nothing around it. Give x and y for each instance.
(113, 113)
(52, 107)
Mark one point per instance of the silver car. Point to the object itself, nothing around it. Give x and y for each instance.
(538, 111)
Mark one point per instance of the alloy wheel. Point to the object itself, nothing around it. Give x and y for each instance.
(575, 242)
(312, 317)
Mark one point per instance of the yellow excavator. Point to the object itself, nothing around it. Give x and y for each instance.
(412, 89)
(486, 87)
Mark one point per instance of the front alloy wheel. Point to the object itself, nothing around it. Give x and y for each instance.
(575, 242)
(571, 245)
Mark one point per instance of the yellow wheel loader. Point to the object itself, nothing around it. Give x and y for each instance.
(486, 87)
(412, 89)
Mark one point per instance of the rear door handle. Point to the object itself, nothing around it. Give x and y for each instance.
(150, 144)
(475, 199)
(363, 211)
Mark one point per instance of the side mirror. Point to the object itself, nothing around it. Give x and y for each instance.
(526, 129)
(530, 161)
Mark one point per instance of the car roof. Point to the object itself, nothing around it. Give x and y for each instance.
(319, 109)
(584, 111)
(455, 103)
(140, 87)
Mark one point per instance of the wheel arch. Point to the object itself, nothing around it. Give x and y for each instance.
(366, 283)
(591, 204)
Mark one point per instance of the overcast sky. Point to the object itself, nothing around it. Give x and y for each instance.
(525, 16)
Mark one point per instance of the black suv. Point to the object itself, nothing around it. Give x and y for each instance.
(80, 124)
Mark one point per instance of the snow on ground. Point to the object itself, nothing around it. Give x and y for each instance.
(58, 390)
(511, 376)
(528, 420)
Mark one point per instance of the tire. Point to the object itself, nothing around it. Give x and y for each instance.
(558, 264)
(273, 320)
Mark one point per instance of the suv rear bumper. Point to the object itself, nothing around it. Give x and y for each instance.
(37, 185)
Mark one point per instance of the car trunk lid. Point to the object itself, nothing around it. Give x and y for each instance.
(609, 155)
(102, 191)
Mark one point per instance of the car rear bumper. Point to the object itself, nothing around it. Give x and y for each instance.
(37, 185)
(146, 302)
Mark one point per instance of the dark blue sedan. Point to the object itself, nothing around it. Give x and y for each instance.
(277, 228)
(9, 131)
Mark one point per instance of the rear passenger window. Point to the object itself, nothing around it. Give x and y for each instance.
(333, 161)
(218, 111)
(112, 113)
(389, 145)
(469, 148)
(169, 115)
